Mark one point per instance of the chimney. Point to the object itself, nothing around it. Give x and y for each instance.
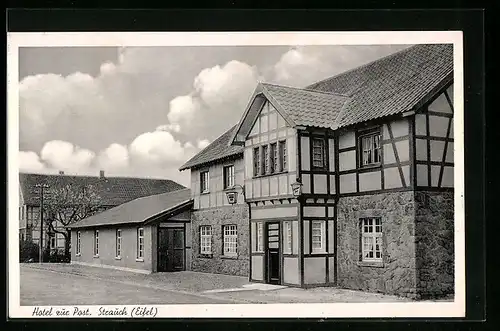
(101, 174)
(61, 172)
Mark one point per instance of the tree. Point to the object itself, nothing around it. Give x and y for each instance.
(67, 205)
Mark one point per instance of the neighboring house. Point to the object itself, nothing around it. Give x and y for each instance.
(220, 230)
(112, 191)
(148, 234)
(373, 151)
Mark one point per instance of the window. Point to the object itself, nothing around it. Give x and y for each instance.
(118, 243)
(230, 240)
(287, 232)
(228, 176)
(371, 244)
(318, 152)
(256, 161)
(140, 243)
(205, 239)
(274, 159)
(283, 155)
(265, 156)
(318, 236)
(204, 182)
(52, 241)
(370, 149)
(96, 242)
(260, 237)
(78, 243)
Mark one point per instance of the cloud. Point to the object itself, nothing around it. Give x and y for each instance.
(182, 111)
(30, 162)
(219, 95)
(115, 157)
(158, 147)
(63, 155)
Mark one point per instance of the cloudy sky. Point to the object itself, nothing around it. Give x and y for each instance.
(145, 111)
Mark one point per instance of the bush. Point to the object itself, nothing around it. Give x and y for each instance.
(57, 256)
(28, 251)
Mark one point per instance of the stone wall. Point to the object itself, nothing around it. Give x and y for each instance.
(216, 263)
(434, 237)
(397, 273)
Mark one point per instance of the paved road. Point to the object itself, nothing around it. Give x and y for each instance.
(43, 287)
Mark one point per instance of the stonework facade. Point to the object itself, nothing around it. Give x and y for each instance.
(396, 274)
(417, 247)
(216, 262)
(434, 238)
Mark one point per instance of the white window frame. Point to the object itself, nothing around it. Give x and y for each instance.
(118, 240)
(259, 241)
(206, 239)
(96, 243)
(230, 240)
(287, 237)
(228, 176)
(318, 246)
(140, 244)
(78, 243)
(204, 179)
(371, 234)
(369, 144)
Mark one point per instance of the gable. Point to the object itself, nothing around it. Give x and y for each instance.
(267, 120)
(441, 104)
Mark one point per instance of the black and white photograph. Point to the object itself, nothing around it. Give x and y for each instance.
(236, 174)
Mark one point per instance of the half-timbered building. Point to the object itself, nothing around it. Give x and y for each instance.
(348, 182)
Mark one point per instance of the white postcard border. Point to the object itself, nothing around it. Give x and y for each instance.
(353, 310)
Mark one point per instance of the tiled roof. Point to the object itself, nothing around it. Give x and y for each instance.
(307, 107)
(138, 210)
(388, 86)
(391, 85)
(218, 149)
(111, 190)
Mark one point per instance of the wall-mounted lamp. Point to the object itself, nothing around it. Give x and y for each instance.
(232, 193)
(296, 188)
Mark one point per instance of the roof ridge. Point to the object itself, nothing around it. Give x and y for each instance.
(306, 89)
(153, 195)
(95, 177)
(367, 64)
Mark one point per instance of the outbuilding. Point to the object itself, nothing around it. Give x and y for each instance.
(149, 234)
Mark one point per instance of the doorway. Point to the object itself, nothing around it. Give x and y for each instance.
(273, 265)
(170, 249)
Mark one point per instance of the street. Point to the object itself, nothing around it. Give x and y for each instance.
(44, 287)
(69, 284)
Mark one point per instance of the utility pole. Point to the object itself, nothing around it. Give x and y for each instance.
(41, 187)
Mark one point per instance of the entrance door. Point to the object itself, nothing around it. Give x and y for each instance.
(273, 268)
(170, 249)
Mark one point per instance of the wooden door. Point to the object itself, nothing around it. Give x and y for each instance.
(170, 249)
(273, 265)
